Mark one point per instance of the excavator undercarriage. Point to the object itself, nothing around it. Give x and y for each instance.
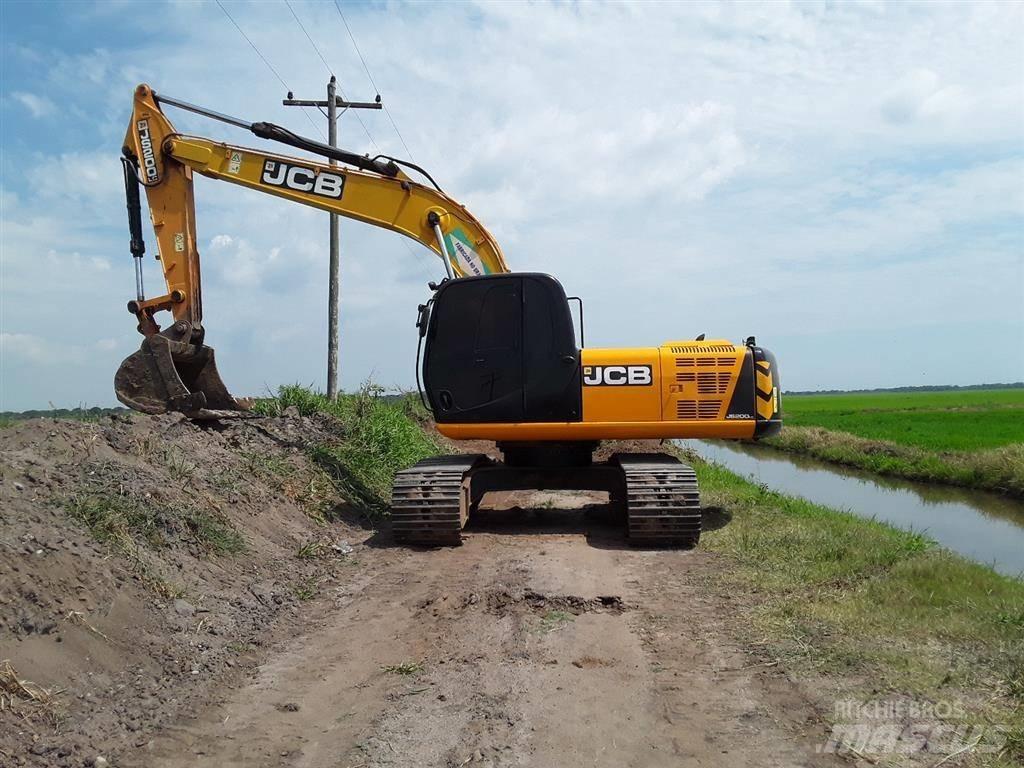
(433, 500)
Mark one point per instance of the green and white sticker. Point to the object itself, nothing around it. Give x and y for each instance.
(462, 255)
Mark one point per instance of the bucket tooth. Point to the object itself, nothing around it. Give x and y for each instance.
(167, 375)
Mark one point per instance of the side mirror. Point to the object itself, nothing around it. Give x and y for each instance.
(423, 318)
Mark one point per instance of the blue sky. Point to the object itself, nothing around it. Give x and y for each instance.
(845, 181)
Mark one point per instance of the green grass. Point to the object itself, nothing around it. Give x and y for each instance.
(311, 550)
(787, 540)
(307, 589)
(939, 421)
(971, 438)
(962, 398)
(126, 522)
(378, 437)
(553, 620)
(880, 610)
(130, 526)
(405, 669)
(213, 533)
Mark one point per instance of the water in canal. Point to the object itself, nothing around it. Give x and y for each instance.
(982, 526)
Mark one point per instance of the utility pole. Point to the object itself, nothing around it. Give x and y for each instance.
(334, 280)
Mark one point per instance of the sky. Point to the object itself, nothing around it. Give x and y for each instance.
(843, 180)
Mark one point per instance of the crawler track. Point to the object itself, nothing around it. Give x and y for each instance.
(662, 500)
(430, 502)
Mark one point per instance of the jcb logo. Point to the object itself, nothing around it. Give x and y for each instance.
(617, 375)
(302, 179)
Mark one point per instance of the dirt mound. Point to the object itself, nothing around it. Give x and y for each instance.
(143, 559)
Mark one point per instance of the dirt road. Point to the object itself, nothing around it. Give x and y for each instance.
(542, 641)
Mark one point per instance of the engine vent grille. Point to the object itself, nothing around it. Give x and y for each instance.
(705, 362)
(711, 383)
(686, 376)
(705, 348)
(698, 409)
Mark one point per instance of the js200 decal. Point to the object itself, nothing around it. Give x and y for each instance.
(148, 154)
(617, 376)
(301, 179)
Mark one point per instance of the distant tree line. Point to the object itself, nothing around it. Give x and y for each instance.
(82, 414)
(935, 388)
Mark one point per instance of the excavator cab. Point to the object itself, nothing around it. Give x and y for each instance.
(502, 349)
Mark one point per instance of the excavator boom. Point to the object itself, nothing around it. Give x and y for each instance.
(174, 369)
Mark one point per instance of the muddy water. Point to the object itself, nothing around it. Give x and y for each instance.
(982, 526)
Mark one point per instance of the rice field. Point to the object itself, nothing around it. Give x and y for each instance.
(953, 420)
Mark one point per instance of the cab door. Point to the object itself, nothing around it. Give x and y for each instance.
(473, 362)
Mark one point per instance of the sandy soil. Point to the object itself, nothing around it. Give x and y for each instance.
(542, 641)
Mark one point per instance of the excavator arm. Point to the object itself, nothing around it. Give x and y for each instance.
(174, 370)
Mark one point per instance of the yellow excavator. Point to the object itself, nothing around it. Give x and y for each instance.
(499, 357)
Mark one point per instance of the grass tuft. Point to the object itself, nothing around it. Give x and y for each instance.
(212, 532)
(307, 588)
(119, 520)
(15, 692)
(311, 550)
(554, 619)
(12, 685)
(405, 668)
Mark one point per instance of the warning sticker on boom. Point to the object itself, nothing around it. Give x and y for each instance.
(464, 258)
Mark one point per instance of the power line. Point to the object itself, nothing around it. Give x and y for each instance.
(330, 71)
(299, 22)
(251, 43)
(269, 65)
(370, 78)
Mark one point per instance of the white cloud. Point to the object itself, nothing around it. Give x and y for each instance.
(27, 347)
(38, 106)
(89, 181)
(919, 95)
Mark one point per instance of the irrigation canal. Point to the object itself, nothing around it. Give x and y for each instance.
(982, 526)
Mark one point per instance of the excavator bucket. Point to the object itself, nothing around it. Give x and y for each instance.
(167, 375)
